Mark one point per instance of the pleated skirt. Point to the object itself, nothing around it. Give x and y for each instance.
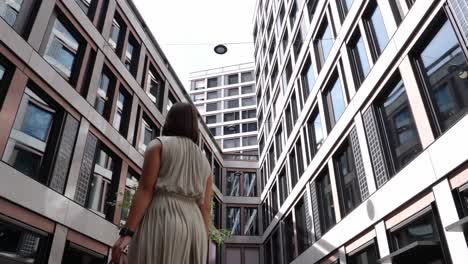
(171, 232)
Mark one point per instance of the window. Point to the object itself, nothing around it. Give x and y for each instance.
(62, 49)
(271, 50)
(283, 186)
(24, 243)
(215, 131)
(131, 55)
(287, 73)
(422, 227)
(198, 97)
(297, 43)
(304, 239)
(148, 132)
(311, 4)
(285, 40)
(359, 59)
(289, 124)
(248, 101)
(247, 76)
(75, 254)
(250, 184)
(348, 183)
(315, 130)
(293, 168)
(213, 119)
(249, 127)
(232, 91)
(131, 184)
(10, 10)
(213, 95)
(289, 241)
(378, 33)
(398, 122)
(274, 74)
(212, 107)
(155, 88)
(369, 254)
(231, 143)
(247, 89)
(116, 29)
(249, 114)
(122, 112)
(233, 220)
(324, 43)
(271, 157)
(344, 6)
(300, 161)
(250, 222)
(171, 100)
(232, 79)
(231, 103)
(231, 116)
(325, 203)
(231, 129)
(104, 93)
(233, 183)
(33, 139)
(249, 141)
(103, 183)
(444, 69)
(293, 14)
(198, 84)
(213, 82)
(307, 78)
(85, 5)
(279, 142)
(335, 101)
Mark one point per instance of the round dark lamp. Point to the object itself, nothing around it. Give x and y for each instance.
(220, 49)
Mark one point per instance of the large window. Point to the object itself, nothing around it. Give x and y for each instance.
(213, 82)
(289, 241)
(359, 59)
(369, 254)
(104, 182)
(249, 141)
(213, 95)
(344, 6)
(348, 183)
(307, 79)
(279, 141)
(122, 112)
(242, 221)
(22, 244)
(213, 107)
(155, 88)
(232, 91)
(283, 186)
(34, 136)
(212, 119)
(304, 239)
(247, 76)
(74, 254)
(198, 84)
(103, 101)
(231, 116)
(315, 131)
(247, 89)
(249, 114)
(241, 183)
(148, 132)
(378, 33)
(231, 104)
(335, 101)
(324, 43)
(250, 225)
(444, 71)
(62, 49)
(325, 203)
(249, 127)
(116, 34)
(131, 55)
(18, 14)
(232, 79)
(248, 101)
(233, 220)
(231, 129)
(397, 121)
(131, 184)
(231, 143)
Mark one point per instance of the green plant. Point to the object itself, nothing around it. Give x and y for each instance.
(218, 236)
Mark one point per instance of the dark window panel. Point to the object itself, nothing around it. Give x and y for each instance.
(335, 102)
(360, 61)
(250, 222)
(233, 220)
(378, 33)
(283, 186)
(324, 43)
(289, 241)
(325, 203)
(368, 255)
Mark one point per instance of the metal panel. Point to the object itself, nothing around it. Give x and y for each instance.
(460, 12)
(359, 164)
(64, 155)
(309, 218)
(86, 170)
(375, 148)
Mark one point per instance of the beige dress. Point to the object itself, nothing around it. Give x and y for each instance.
(172, 230)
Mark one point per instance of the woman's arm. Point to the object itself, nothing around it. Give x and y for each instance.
(144, 193)
(205, 207)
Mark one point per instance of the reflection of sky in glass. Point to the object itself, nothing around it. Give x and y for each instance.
(327, 42)
(233, 221)
(337, 100)
(37, 122)
(442, 42)
(2, 71)
(379, 29)
(361, 51)
(318, 130)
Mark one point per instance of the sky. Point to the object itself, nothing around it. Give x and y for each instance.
(201, 24)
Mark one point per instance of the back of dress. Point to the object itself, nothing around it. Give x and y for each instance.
(184, 168)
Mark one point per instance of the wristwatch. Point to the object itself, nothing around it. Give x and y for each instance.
(126, 232)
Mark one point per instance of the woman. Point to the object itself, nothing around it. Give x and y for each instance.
(169, 216)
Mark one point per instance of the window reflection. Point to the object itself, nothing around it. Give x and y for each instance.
(233, 220)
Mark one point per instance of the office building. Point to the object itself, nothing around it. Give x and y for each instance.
(361, 107)
(84, 87)
(226, 99)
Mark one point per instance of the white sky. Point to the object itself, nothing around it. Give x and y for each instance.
(200, 21)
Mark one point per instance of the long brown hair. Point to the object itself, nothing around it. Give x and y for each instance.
(182, 121)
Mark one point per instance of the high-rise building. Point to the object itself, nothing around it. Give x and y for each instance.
(226, 99)
(84, 87)
(362, 130)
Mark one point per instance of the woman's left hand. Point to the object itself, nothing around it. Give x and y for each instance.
(119, 247)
